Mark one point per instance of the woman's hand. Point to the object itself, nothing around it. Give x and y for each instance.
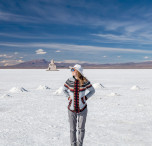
(69, 98)
(84, 98)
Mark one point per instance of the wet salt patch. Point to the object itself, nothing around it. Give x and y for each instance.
(43, 87)
(18, 89)
(58, 91)
(135, 87)
(97, 85)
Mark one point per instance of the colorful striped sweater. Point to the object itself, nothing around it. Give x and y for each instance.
(73, 89)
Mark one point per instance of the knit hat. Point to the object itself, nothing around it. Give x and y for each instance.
(78, 67)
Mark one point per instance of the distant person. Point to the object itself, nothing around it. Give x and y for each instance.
(77, 85)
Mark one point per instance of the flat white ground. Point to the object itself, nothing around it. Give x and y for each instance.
(117, 115)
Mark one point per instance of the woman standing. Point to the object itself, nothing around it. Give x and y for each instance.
(77, 108)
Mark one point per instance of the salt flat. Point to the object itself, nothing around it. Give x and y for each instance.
(33, 108)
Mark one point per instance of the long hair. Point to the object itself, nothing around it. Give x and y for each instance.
(81, 78)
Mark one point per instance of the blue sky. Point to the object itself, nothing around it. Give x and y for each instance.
(94, 31)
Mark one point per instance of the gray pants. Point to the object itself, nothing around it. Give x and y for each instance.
(81, 126)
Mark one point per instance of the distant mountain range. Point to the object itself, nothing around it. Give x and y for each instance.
(43, 64)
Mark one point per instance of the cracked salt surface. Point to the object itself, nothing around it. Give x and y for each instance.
(39, 117)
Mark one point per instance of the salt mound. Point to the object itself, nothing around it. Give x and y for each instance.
(58, 91)
(135, 87)
(98, 85)
(114, 94)
(43, 87)
(17, 89)
(6, 95)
